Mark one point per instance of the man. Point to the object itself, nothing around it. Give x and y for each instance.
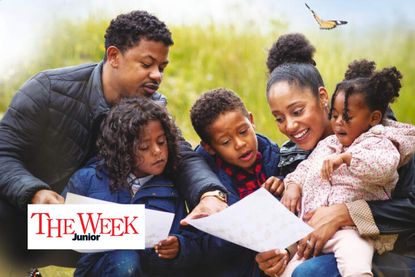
(50, 128)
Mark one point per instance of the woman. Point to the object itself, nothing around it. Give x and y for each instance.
(298, 101)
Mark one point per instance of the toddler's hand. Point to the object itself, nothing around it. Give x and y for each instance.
(168, 248)
(330, 164)
(292, 198)
(274, 185)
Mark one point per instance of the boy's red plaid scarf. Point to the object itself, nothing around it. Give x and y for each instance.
(244, 181)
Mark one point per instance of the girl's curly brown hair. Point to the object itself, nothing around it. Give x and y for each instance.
(120, 135)
(379, 88)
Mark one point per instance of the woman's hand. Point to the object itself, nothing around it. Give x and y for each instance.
(311, 245)
(168, 248)
(272, 262)
(274, 185)
(325, 221)
(292, 198)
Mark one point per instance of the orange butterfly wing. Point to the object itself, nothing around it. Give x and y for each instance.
(326, 24)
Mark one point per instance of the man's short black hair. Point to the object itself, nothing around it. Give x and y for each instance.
(210, 105)
(126, 30)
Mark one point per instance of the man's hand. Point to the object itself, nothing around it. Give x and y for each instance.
(168, 248)
(272, 262)
(274, 185)
(46, 196)
(325, 221)
(292, 198)
(207, 206)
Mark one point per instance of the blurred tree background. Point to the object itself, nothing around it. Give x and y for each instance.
(210, 56)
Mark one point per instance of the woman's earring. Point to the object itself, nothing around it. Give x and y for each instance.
(326, 107)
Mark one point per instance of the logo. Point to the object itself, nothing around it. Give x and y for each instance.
(86, 227)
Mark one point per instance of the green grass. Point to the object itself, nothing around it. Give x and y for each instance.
(55, 271)
(10, 270)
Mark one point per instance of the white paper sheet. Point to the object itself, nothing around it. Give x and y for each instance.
(157, 227)
(258, 222)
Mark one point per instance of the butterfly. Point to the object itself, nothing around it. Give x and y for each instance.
(326, 24)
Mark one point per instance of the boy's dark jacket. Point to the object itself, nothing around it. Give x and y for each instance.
(244, 263)
(197, 250)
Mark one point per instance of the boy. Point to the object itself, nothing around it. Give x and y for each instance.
(243, 161)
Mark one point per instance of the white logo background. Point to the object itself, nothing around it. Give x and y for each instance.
(118, 226)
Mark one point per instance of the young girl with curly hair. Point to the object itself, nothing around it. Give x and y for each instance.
(138, 150)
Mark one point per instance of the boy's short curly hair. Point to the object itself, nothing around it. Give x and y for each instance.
(210, 105)
(126, 30)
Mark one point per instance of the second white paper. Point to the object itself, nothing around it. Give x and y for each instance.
(258, 222)
(158, 223)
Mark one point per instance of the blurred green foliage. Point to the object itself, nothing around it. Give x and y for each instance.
(210, 56)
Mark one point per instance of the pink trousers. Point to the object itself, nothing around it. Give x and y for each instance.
(353, 254)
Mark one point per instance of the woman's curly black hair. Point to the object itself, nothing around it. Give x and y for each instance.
(379, 88)
(126, 30)
(210, 105)
(120, 135)
(290, 48)
(290, 59)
